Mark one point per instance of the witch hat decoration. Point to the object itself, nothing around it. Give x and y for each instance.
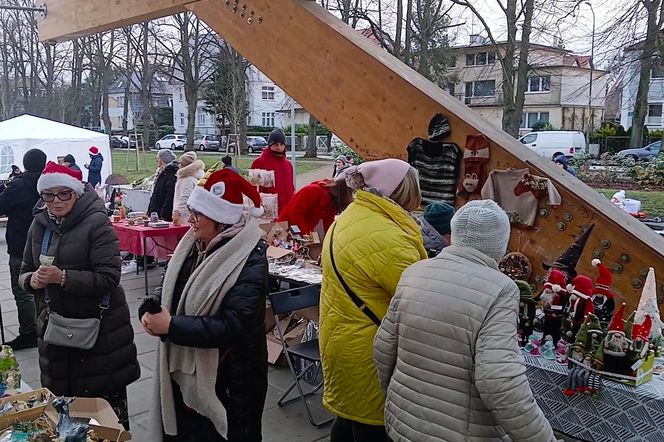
(568, 260)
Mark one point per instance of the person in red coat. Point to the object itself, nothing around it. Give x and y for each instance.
(274, 158)
(319, 201)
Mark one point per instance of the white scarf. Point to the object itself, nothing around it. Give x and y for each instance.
(195, 369)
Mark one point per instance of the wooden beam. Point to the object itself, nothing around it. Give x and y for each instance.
(377, 105)
(67, 19)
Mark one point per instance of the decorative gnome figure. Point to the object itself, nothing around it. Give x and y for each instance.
(568, 260)
(614, 348)
(640, 339)
(527, 308)
(554, 299)
(595, 332)
(475, 161)
(648, 306)
(581, 345)
(580, 290)
(603, 297)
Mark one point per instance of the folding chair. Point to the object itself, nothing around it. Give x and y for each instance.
(284, 302)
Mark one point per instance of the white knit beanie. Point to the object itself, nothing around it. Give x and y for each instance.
(483, 226)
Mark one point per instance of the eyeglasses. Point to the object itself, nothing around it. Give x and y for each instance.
(195, 213)
(64, 195)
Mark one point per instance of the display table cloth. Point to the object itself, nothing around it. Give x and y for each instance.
(619, 412)
(149, 241)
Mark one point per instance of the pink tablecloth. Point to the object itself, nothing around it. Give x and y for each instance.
(160, 242)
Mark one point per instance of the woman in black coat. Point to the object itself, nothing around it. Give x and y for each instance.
(212, 321)
(80, 266)
(163, 193)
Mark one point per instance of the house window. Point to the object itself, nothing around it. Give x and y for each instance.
(486, 88)
(121, 101)
(182, 119)
(181, 96)
(267, 93)
(201, 118)
(539, 83)
(450, 88)
(480, 58)
(654, 110)
(248, 120)
(451, 63)
(267, 119)
(657, 71)
(528, 119)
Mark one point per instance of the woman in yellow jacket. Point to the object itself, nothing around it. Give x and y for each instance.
(364, 254)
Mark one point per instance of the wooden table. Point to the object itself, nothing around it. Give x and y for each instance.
(138, 240)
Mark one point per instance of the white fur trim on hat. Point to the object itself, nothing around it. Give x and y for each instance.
(51, 180)
(215, 207)
(595, 262)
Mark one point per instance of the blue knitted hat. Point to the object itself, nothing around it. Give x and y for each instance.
(439, 216)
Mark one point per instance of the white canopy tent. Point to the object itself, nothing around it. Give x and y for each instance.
(20, 134)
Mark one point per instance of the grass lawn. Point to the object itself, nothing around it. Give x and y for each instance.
(652, 202)
(125, 164)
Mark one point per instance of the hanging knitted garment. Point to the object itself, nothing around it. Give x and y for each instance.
(438, 165)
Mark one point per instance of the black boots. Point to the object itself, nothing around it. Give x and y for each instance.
(23, 342)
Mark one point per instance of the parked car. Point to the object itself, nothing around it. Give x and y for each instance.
(173, 142)
(254, 145)
(118, 142)
(550, 144)
(642, 153)
(207, 142)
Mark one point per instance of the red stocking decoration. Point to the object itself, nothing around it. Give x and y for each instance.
(475, 161)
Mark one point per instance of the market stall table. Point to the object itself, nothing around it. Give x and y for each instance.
(619, 412)
(140, 240)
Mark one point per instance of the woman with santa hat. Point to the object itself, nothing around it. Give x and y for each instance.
(72, 265)
(210, 317)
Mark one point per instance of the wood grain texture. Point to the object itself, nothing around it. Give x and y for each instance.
(67, 19)
(378, 105)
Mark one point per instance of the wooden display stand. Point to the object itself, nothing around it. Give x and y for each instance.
(377, 105)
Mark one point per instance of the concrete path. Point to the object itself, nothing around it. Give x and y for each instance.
(323, 172)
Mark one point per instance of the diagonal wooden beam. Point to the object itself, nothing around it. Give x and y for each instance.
(67, 19)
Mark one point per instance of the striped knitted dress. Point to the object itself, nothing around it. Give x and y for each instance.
(438, 165)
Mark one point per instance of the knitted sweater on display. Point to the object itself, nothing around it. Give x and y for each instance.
(438, 165)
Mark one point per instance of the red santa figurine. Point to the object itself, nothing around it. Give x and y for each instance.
(641, 338)
(581, 291)
(603, 297)
(554, 299)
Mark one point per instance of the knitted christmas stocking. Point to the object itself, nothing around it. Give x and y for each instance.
(475, 162)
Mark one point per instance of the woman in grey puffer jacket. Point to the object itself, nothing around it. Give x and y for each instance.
(447, 354)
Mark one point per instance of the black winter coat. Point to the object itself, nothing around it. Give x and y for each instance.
(86, 246)
(238, 330)
(17, 201)
(161, 200)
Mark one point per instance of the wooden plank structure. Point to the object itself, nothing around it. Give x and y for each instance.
(377, 105)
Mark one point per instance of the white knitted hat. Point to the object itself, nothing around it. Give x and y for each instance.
(483, 226)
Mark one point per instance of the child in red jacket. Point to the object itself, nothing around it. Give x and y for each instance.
(319, 201)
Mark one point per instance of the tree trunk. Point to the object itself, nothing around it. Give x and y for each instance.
(507, 62)
(312, 146)
(647, 60)
(145, 88)
(399, 29)
(514, 120)
(191, 94)
(129, 71)
(408, 41)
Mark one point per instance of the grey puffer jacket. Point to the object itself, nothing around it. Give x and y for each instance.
(448, 358)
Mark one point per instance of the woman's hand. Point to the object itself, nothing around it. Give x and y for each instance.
(37, 282)
(50, 274)
(157, 324)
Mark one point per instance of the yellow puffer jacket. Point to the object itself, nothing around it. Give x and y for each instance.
(374, 241)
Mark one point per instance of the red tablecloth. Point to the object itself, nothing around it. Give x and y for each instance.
(159, 242)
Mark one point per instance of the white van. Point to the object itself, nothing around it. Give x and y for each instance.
(550, 144)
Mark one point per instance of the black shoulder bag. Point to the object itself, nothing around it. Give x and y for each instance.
(356, 299)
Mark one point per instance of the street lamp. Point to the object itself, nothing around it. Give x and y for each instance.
(590, 86)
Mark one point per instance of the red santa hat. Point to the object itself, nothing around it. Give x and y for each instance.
(642, 330)
(56, 175)
(219, 197)
(556, 282)
(581, 286)
(617, 325)
(94, 150)
(603, 282)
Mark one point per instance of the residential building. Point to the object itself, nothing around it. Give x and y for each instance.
(557, 90)
(161, 95)
(632, 69)
(265, 100)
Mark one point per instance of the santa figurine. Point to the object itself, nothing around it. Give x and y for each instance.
(580, 290)
(603, 297)
(554, 299)
(641, 338)
(614, 348)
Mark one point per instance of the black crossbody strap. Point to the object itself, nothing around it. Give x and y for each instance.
(356, 299)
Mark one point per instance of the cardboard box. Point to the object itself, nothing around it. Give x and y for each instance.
(643, 372)
(272, 231)
(99, 414)
(30, 414)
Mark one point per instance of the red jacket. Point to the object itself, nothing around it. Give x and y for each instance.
(308, 207)
(283, 176)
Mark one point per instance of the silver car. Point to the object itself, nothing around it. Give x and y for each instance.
(207, 142)
(642, 153)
